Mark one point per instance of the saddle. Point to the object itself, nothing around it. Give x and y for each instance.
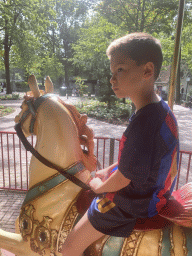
(177, 210)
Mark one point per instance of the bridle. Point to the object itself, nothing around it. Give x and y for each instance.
(32, 109)
(33, 106)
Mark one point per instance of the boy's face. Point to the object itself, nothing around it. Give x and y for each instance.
(126, 77)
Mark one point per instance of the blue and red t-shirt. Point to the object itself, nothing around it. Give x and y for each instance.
(148, 156)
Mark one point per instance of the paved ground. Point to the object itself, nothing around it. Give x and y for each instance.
(10, 202)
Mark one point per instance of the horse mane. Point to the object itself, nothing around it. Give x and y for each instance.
(85, 134)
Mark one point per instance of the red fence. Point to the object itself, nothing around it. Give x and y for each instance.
(14, 160)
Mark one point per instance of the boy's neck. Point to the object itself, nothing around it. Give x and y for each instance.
(145, 99)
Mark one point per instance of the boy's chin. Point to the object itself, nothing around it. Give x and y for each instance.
(120, 96)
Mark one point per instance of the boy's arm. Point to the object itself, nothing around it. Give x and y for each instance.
(104, 174)
(114, 183)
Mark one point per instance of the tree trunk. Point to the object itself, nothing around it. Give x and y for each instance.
(53, 31)
(133, 108)
(66, 74)
(142, 17)
(65, 46)
(137, 16)
(6, 62)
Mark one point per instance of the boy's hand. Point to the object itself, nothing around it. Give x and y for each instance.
(102, 174)
(95, 184)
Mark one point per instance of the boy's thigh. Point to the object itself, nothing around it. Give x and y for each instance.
(82, 235)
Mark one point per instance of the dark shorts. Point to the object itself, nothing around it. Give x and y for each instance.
(109, 219)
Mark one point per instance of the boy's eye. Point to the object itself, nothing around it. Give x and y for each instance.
(119, 69)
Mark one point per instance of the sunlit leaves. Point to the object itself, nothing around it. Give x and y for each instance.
(90, 49)
(143, 15)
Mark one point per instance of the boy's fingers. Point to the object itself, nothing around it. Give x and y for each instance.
(99, 176)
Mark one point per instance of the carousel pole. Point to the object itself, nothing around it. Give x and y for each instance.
(175, 62)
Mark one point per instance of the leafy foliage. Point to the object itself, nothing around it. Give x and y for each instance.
(5, 110)
(90, 56)
(140, 15)
(81, 85)
(21, 22)
(63, 32)
(118, 113)
(13, 96)
(69, 38)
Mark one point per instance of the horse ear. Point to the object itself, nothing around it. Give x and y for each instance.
(34, 86)
(48, 85)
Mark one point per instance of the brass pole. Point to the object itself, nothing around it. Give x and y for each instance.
(175, 62)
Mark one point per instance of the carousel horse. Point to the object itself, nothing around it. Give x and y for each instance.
(51, 206)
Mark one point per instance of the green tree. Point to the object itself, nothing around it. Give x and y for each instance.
(20, 19)
(186, 43)
(70, 15)
(118, 17)
(90, 53)
(168, 44)
(140, 15)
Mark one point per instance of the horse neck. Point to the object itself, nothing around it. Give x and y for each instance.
(57, 141)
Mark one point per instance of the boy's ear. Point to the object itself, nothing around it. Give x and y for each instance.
(149, 70)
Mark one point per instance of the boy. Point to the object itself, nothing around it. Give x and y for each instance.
(148, 154)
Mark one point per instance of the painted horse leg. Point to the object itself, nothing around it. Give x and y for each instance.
(13, 243)
(6, 253)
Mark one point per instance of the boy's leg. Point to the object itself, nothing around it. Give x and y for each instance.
(82, 235)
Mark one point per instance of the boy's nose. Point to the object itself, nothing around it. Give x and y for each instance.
(113, 79)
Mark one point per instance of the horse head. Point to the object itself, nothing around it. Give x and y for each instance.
(58, 124)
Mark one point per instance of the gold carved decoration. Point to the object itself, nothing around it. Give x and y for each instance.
(67, 224)
(171, 242)
(131, 243)
(139, 242)
(184, 243)
(160, 243)
(40, 235)
(178, 241)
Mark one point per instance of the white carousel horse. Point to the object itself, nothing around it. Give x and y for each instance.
(49, 211)
(46, 213)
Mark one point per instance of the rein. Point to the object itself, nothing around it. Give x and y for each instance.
(43, 160)
(46, 162)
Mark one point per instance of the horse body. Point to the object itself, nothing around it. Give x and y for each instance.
(46, 219)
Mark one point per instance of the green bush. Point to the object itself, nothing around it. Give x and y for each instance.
(117, 113)
(13, 96)
(22, 86)
(81, 85)
(5, 110)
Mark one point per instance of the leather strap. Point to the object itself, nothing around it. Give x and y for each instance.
(33, 106)
(43, 187)
(43, 160)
